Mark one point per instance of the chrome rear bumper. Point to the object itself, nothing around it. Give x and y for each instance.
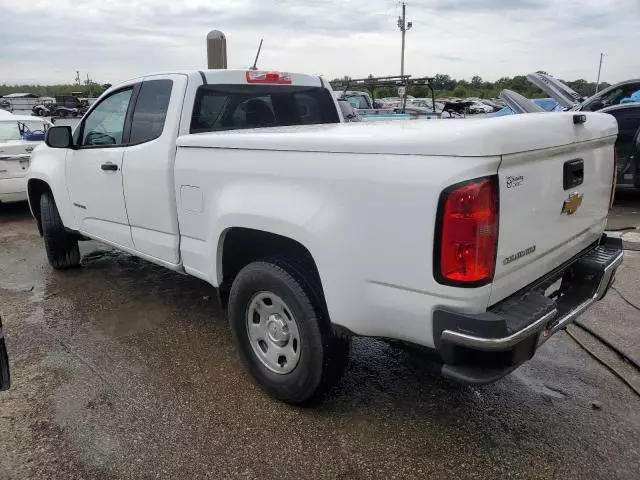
(510, 331)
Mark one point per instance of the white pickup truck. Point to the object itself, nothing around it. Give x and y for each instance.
(477, 239)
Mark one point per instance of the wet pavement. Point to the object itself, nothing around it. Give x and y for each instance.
(124, 370)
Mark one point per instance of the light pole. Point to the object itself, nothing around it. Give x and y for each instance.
(403, 26)
(599, 70)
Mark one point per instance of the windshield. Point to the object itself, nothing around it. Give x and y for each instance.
(21, 130)
(9, 131)
(615, 96)
(358, 101)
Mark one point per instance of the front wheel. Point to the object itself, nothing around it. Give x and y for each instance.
(62, 248)
(281, 331)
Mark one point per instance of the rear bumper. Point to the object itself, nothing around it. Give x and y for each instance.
(13, 189)
(482, 348)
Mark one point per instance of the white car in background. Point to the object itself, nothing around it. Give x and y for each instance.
(19, 135)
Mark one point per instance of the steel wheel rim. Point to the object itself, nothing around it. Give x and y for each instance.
(273, 332)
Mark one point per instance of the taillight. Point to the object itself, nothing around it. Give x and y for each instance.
(467, 233)
(279, 78)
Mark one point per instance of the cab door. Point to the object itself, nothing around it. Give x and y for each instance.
(148, 168)
(94, 169)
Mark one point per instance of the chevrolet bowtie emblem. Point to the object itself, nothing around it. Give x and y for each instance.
(571, 204)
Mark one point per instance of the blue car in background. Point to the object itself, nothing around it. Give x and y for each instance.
(547, 104)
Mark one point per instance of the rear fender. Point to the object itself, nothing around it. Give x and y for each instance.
(284, 210)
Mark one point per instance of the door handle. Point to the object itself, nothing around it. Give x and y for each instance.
(573, 173)
(109, 167)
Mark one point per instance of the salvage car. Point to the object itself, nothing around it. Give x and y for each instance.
(19, 135)
(619, 100)
(475, 239)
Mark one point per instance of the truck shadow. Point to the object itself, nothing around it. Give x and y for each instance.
(121, 298)
(11, 212)
(154, 345)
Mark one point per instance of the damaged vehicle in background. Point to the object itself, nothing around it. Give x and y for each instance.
(621, 100)
(19, 135)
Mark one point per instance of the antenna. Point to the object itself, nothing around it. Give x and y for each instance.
(255, 62)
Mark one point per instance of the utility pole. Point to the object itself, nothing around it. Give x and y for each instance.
(89, 82)
(599, 70)
(403, 26)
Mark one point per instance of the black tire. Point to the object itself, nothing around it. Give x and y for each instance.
(323, 356)
(62, 248)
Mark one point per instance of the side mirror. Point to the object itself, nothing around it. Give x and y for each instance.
(5, 378)
(59, 137)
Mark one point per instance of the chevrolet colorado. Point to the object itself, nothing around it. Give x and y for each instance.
(477, 239)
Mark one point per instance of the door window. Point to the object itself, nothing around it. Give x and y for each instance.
(151, 110)
(105, 124)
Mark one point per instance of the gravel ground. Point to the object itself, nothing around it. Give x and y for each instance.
(124, 370)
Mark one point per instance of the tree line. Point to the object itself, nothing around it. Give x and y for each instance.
(445, 86)
(91, 90)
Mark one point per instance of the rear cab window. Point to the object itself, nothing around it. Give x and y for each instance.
(232, 107)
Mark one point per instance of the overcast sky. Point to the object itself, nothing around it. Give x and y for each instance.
(44, 41)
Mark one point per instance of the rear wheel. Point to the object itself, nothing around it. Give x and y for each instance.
(281, 331)
(62, 248)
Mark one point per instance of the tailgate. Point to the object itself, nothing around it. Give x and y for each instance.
(553, 202)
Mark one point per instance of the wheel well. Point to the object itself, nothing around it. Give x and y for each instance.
(35, 189)
(241, 246)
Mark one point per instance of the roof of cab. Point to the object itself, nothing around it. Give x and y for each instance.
(229, 77)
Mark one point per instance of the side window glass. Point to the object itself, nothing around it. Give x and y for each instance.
(150, 110)
(105, 124)
(612, 98)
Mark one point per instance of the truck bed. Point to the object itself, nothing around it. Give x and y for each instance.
(480, 137)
